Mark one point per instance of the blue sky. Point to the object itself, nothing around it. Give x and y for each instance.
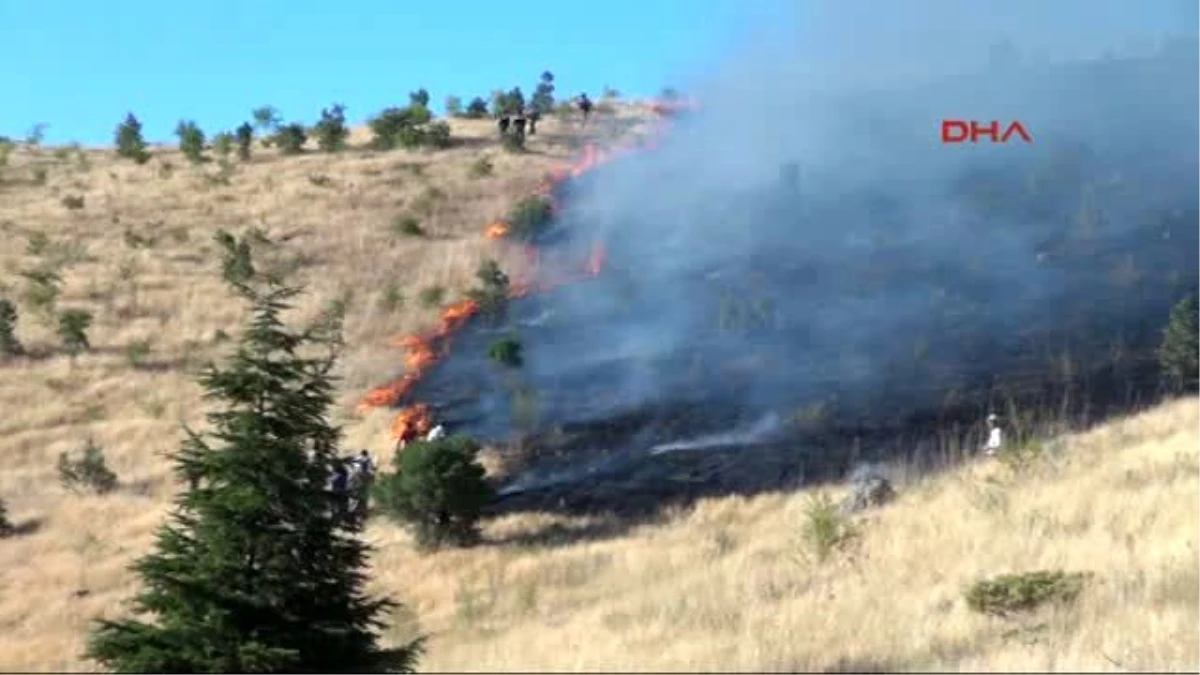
(80, 65)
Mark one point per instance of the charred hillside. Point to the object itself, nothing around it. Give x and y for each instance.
(865, 301)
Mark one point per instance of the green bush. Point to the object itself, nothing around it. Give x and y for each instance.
(530, 218)
(492, 293)
(431, 296)
(438, 489)
(477, 109)
(129, 141)
(89, 472)
(291, 138)
(6, 526)
(407, 225)
(1177, 355)
(191, 141)
(506, 352)
(825, 528)
(437, 135)
(1008, 593)
(223, 144)
(72, 329)
(331, 131)
(10, 346)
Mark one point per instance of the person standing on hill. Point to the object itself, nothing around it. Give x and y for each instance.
(995, 440)
(585, 106)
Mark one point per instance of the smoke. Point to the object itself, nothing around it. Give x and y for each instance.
(759, 431)
(806, 236)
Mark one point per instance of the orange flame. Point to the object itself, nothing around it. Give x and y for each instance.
(421, 351)
(497, 230)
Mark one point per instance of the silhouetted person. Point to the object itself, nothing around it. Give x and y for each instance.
(519, 126)
(533, 115)
(503, 123)
(341, 491)
(585, 106)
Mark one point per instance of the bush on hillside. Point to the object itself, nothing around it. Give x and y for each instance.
(438, 489)
(454, 106)
(73, 325)
(191, 141)
(10, 346)
(291, 138)
(331, 131)
(407, 128)
(223, 144)
(129, 141)
(6, 526)
(1178, 355)
(826, 528)
(506, 352)
(1009, 593)
(476, 109)
(529, 218)
(492, 293)
(89, 472)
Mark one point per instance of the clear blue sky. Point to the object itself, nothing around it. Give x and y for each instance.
(80, 65)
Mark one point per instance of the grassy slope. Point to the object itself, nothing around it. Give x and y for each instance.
(725, 586)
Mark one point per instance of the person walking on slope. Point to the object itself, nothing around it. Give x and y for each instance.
(995, 439)
(585, 106)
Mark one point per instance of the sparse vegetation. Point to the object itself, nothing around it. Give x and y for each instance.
(88, 473)
(825, 528)
(1010, 593)
(191, 141)
(530, 218)
(454, 106)
(136, 352)
(73, 325)
(73, 202)
(481, 167)
(10, 346)
(223, 144)
(407, 226)
(290, 138)
(492, 293)
(432, 296)
(42, 289)
(438, 489)
(331, 131)
(507, 352)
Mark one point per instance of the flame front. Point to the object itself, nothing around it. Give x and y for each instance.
(422, 351)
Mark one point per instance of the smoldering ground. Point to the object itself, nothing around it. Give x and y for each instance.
(803, 240)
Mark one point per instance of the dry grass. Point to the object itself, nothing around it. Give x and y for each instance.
(729, 585)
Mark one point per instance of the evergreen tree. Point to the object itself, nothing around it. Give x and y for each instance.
(543, 94)
(331, 131)
(255, 573)
(191, 141)
(129, 141)
(1179, 354)
(477, 108)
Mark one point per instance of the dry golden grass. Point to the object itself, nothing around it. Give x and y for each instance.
(728, 585)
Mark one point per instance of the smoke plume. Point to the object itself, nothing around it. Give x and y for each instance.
(805, 238)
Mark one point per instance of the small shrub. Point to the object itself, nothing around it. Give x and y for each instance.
(10, 346)
(136, 352)
(331, 131)
(431, 296)
(492, 293)
(42, 288)
(191, 141)
(37, 244)
(408, 226)
(73, 202)
(237, 266)
(89, 472)
(266, 118)
(6, 526)
(530, 218)
(72, 330)
(223, 144)
(291, 138)
(437, 135)
(388, 125)
(1009, 593)
(506, 352)
(481, 167)
(393, 297)
(36, 134)
(825, 528)
(320, 180)
(39, 175)
(476, 109)
(454, 106)
(438, 489)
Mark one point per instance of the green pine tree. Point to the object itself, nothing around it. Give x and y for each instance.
(255, 573)
(1179, 354)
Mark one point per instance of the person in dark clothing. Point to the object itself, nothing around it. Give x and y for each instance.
(503, 123)
(585, 106)
(341, 491)
(533, 115)
(519, 126)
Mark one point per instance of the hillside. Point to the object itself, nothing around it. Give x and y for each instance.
(728, 584)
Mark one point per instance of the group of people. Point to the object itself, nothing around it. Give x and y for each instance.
(528, 118)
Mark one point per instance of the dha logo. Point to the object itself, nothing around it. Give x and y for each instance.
(958, 131)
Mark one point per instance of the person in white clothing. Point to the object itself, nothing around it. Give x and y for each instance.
(995, 438)
(435, 433)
